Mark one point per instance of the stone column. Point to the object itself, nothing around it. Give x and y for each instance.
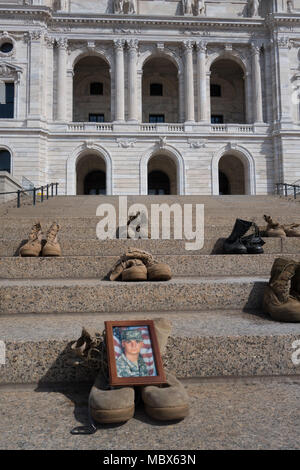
(132, 80)
(62, 44)
(48, 94)
(189, 82)
(248, 99)
(119, 80)
(284, 89)
(268, 82)
(201, 81)
(35, 81)
(256, 78)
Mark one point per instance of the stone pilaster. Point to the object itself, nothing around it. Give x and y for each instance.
(201, 81)
(256, 83)
(119, 80)
(283, 82)
(35, 104)
(189, 82)
(132, 80)
(48, 93)
(62, 45)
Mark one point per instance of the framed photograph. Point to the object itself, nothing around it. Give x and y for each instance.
(133, 353)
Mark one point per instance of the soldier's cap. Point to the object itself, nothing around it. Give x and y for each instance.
(129, 335)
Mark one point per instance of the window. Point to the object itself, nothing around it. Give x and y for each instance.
(217, 119)
(96, 117)
(215, 91)
(96, 88)
(4, 160)
(7, 95)
(156, 118)
(6, 47)
(156, 89)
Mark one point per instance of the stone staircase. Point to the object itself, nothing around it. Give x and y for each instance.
(214, 301)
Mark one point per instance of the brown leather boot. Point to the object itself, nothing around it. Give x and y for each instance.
(34, 245)
(274, 229)
(282, 295)
(52, 247)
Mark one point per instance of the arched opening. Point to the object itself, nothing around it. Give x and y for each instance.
(5, 161)
(227, 92)
(224, 186)
(162, 176)
(91, 90)
(232, 175)
(91, 175)
(95, 183)
(160, 91)
(158, 183)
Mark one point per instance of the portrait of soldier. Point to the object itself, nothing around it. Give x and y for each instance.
(130, 363)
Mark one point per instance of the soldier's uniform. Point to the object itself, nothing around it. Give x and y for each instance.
(127, 368)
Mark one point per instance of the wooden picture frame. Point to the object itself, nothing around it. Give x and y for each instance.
(121, 333)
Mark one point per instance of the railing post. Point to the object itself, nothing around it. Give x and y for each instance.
(295, 192)
(286, 189)
(51, 189)
(56, 184)
(34, 196)
(42, 195)
(47, 191)
(19, 194)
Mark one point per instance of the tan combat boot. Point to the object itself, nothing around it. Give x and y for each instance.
(169, 401)
(290, 230)
(282, 296)
(34, 245)
(52, 247)
(134, 271)
(274, 229)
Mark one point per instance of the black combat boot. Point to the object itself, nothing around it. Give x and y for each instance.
(254, 243)
(233, 244)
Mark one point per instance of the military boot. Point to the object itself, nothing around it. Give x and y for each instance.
(112, 404)
(159, 272)
(281, 296)
(135, 270)
(291, 230)
(274, 229)
(233, 244)
(52, 247)
(34, 245)
(169, 401)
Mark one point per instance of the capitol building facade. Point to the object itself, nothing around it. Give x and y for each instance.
(137, 97)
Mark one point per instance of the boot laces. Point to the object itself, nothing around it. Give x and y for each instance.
(52, 232)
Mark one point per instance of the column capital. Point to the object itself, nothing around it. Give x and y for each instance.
(188, 46)
(201, 46)
(133, 44)
(62, 42)
(119, 44)
(33, 36)
(49, 41)
(255, 48)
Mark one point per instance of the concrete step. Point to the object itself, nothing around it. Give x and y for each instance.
(93, 295)
(213, 343)
(79, 247)
(233, 415)
(97, 267)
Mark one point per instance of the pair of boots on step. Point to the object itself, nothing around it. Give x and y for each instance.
(275, 229)
(237, 244)
(117, 404)
(35, 245)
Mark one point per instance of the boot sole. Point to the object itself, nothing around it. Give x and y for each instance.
(112, 416)
(167, 414)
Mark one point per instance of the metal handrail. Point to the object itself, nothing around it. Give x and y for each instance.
(34, 191)
(286, 189)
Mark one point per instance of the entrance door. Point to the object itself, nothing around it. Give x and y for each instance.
(95, 183)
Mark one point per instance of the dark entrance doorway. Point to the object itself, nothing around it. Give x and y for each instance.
(224, 187)
(158, 183)
(95, 183)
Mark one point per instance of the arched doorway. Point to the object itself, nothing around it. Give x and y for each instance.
(91, 175)
(158, 183)
(232, 175)
(160, 91)
(5, 161)
(162, 175)
(95, 183)
(227, 92)
(91, 90)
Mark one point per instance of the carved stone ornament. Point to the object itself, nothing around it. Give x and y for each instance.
(197, 144)
(126, 143)
(89, 144)
(162, 142)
